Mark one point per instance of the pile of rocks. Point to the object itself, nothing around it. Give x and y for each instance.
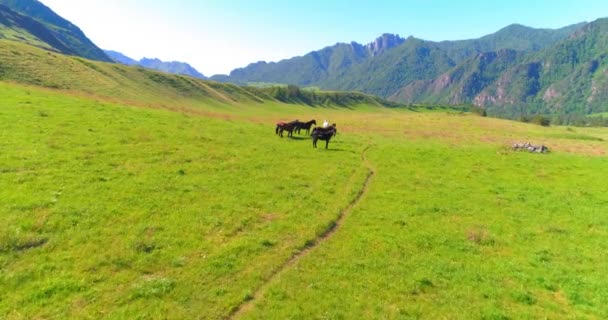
(527, 146)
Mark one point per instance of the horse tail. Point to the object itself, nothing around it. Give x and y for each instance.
(276, 131)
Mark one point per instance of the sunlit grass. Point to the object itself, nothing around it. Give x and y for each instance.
(109, 210)
(182, 210)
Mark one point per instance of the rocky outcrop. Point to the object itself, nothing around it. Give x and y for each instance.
(383, 43)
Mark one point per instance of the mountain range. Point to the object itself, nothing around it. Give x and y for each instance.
(174, 67)
(569, 76)
(517, 70)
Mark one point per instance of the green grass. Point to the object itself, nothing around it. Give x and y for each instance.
(460, 232)
(154, 196)
(122, 212)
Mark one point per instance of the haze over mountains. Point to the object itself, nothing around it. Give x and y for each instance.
(175, 67)
(516, 70)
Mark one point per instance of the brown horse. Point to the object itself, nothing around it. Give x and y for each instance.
(287, 126)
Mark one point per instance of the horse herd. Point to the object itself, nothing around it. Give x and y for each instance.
(318, 133)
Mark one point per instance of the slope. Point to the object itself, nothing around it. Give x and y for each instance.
(54, 30)
(17, 27)
(136, 85)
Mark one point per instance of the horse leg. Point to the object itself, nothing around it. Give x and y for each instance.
(314, 142)
(326, 143)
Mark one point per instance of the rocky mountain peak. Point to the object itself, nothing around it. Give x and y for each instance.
(383, 43)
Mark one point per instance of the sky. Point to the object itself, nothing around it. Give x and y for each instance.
(217, 36)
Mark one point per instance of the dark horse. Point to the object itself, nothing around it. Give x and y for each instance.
(324, 134)
(287, 126)
(306, 126)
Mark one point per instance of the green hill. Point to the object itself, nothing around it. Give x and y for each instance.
(29, 65)
(36, 24)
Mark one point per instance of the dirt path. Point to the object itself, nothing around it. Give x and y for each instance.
(245, 306)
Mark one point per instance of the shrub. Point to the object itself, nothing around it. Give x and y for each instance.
(541, 120)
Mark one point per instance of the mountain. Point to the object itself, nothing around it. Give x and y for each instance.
(314, 67)
(17, 27)
(306, 70)
(32, 22)
(389, 63)
(385, 73)
(462, 82)
(174, 67)
(171, 67)
(120, 58)
(515, 36)
(570, 76)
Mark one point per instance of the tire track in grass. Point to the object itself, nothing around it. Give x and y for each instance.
(332, 228)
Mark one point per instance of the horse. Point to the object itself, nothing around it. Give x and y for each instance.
(306, 126)
(287, 126)
(324, 134)
(279, 124)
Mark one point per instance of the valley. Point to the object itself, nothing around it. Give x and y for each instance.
(132, 193)
(117, 209)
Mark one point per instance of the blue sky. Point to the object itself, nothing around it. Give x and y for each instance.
(216, 36)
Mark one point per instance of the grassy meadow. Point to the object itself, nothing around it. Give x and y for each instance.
(117, 203)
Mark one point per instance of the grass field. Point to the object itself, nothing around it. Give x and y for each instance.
(149, 210)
